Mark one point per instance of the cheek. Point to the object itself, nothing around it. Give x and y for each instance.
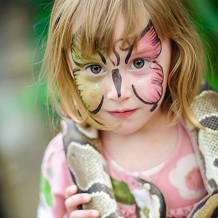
(146, 90)
(90, 91)
(142, 86)
(94, 94)
(149, 86)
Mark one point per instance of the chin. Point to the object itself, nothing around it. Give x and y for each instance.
(126, 128)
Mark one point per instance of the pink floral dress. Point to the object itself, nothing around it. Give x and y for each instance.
(178, 179)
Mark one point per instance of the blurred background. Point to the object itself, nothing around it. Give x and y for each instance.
(26, 119)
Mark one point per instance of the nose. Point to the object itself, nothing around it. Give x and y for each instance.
(120, 87)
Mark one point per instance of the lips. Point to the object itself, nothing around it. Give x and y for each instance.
(122, 114)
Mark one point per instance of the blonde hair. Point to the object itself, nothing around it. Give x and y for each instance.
(93, 21)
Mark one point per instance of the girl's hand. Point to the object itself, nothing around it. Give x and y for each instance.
(73, 200)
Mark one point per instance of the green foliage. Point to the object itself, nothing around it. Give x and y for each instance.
(40, 22)
(205, 17)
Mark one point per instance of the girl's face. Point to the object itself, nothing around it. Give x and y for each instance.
(127, 87)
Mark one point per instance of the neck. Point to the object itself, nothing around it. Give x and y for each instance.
(150, 140)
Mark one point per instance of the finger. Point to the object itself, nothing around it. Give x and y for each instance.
(71, 190)
(74, 201)
(85, 214)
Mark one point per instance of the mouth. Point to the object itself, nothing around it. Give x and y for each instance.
(122, 114)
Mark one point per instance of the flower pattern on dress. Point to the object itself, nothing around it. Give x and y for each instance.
(186, 178)
(193, 180)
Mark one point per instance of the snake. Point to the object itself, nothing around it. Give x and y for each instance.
(88, 167)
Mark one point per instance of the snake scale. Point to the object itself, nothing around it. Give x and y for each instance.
(88, 172)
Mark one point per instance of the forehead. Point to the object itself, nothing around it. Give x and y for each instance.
(121, 25)
(88, 43)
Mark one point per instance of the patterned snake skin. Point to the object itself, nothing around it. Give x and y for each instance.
(88, 168)
(205, 108)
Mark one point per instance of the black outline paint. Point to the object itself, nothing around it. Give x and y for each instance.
(155, 38)
(117, 56)
(77, 63)
(116, 76)
(145, 102)
(75, 71)
(129, 54)
(99, 106)
(117, 79)
(103, 59)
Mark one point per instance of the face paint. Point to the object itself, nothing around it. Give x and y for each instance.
(117, 56)
(88, 86)
(149, 90)
(150, 41)
(90, 92)
(117, 79)
(129, 54)
(147, 85)
(102, 58)
(96, 90)
(149, 47)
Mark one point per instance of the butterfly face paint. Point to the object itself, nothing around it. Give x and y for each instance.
(148, 88)
(89, 84)
(140, 63)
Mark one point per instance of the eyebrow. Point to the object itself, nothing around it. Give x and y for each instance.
(90, 59)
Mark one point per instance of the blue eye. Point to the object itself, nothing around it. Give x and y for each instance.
(139, 63)
(95, 69)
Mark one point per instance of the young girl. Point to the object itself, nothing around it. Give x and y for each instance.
(135, 141)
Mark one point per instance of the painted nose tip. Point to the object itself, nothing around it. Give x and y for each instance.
(117, 79)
